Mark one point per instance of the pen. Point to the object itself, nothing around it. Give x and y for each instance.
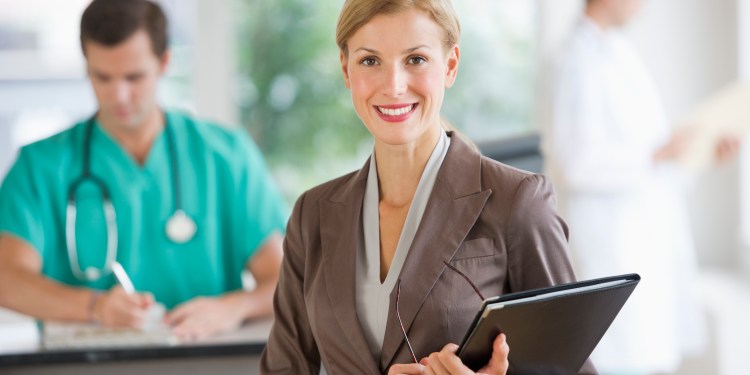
(123, 278)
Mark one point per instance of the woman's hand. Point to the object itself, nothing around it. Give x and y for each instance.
(447, 362)
(498, 364)
(406, 369)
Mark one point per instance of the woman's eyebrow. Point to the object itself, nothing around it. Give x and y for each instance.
(376, 52)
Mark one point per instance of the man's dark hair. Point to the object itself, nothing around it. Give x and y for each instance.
(111, 22)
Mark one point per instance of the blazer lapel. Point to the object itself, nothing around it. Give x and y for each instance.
(454, 206)
(340, 227)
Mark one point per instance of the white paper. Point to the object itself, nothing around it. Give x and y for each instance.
(725, 113)
(154, 332)
(18, 333)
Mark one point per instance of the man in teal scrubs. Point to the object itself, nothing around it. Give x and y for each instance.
(152, 162)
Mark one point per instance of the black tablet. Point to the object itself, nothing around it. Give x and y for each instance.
(550, 330)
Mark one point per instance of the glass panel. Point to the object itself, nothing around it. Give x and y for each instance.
(494, 95)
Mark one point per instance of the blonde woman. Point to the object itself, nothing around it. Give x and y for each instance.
(380, 264)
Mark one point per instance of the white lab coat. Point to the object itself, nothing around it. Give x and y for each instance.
(625, 213)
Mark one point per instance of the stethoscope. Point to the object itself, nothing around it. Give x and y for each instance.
(180, 227)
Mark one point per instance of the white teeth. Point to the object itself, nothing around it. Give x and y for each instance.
(396, 111)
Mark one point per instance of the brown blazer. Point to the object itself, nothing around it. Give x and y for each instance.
(495, 223)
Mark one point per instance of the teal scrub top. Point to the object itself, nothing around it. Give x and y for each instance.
(225, 186)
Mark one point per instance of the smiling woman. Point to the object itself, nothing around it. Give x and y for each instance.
(398, 83)
(370, 281)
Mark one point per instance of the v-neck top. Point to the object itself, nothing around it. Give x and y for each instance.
(107, 145)
(372, 296)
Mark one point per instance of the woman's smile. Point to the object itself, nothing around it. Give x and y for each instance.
(396, 112)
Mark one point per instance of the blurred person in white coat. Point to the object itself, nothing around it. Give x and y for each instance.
(612, 156)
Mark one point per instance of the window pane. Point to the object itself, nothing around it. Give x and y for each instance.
(292, 95)
(494, 93)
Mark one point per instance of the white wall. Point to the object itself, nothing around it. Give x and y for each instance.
(215, 67)
(691, 49)
(556, 17)
(743, 17)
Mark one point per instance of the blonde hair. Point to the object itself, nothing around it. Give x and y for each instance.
(356, 13)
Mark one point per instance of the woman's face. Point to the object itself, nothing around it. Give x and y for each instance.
(397, 70)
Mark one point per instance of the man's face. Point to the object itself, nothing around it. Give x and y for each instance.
(124, 78)
(622, 11)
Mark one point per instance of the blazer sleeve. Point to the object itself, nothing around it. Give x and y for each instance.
(538, 238)
(291, 347)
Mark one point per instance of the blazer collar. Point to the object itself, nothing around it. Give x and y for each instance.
(457, 191)
(460, 173)
(340, 228)
(456, 201)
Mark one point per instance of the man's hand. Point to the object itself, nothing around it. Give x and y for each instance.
(677, 144)
(447, 362)
(727, 148)
(203, 316)
(116, 308)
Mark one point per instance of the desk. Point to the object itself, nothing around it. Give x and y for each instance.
(232, 353)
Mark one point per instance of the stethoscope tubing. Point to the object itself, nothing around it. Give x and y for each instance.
(93, 273)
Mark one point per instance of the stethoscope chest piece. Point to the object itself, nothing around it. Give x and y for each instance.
(180, 227)
(92, 273)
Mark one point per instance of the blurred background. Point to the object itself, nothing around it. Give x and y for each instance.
(272, 67)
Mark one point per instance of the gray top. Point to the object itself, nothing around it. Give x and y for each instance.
(372, 296)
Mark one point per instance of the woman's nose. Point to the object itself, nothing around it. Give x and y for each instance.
(396, 82)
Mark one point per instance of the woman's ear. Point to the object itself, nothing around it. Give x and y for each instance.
(454, 56)
(344, 68)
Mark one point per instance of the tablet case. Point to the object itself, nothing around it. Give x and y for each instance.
(551, 334)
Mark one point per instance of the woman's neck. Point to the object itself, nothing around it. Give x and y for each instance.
(400, 167)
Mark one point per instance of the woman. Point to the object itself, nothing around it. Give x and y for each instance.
(373, 275)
